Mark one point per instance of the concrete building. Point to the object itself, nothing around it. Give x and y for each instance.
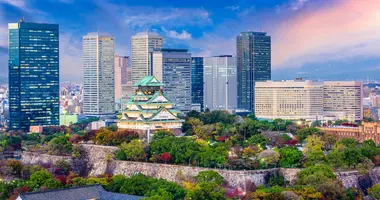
(253, 52)
(98, 74)
(220, 82)
(294, 100)
(344, 96)
(33, 75)
(123, 73)
(172, 67)
(142, 48)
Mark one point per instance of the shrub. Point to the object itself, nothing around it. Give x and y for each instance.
(39, 178)
(374, 191)
(209, 176)
(63, 165)
(60, 146)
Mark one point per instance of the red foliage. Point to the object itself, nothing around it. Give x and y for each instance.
(377, 160)
(292, 142)
(116, 138)
(62, 179)
(18, 191)
(165, 157)
(75, 139)
(222, 138)
(90, 135)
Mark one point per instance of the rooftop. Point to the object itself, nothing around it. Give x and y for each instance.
(149, 81)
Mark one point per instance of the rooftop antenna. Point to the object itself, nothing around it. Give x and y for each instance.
(22, 19)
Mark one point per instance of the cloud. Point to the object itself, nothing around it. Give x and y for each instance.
(184, 35)
(148, 16)
(212, 45)
(70, 57)
(298, 4)
(16, 3)
(343, 30)
(233, 8)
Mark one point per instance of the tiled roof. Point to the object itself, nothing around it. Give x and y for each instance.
(77, 193)
(149, 81)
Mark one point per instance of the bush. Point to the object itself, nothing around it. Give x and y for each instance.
(269, 158)
(209, 176)
(14, 167)
(290, 157)
(60, 146)
(40, 177)
(63, 165)
(133, 151)
(117, 138)
(374, 191)
(316, 175)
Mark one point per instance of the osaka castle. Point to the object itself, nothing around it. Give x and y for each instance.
(149, 110)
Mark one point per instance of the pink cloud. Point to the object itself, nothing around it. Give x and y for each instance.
(343, 29)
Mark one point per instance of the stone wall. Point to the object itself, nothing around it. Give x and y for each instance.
(93, 157)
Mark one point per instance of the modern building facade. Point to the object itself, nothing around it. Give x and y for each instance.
(253, 52)
(344, 96)
(220, 83)
(172, 67)
(123, 73)
(142, 48)
(98, 74)
(293, 100)
(33, 75)
(150, 110)
(197, 81)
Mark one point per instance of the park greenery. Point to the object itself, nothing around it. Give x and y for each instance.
(214, 139)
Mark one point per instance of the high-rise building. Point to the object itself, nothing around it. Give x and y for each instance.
(344, 96)
(197, 81)
(33, 75)
(172, 67)
(142, 48)
(98, 74)
(253, 52)
(294, 100)
(220, 82)
(123, 74)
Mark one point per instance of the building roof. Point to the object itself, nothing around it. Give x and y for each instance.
(149, 81)
(77, 193)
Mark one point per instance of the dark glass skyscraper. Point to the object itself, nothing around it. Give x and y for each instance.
(197, 81)
(253, 52)
(33, 75)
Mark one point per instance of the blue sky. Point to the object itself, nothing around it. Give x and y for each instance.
(318, 39)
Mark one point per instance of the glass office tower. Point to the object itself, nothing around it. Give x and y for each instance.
(197, 81)
(253, 54)
(33, 75)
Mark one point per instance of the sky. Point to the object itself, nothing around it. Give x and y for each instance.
(315, 39)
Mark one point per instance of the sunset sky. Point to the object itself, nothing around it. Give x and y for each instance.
(317, 39)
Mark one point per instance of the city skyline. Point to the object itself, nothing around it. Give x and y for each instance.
(328, 51)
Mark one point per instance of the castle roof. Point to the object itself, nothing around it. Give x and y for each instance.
(149, 81)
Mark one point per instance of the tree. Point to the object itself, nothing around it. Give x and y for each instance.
(209, 176)
(212, 156)
(117, 138)
(316, 175)
(165, 157)
(60, 146)
(269, 158)
(335, 158)
(347, 142)
(205, 132)
(314, 143)
(102, 136)
(290, 157)
(206, 191)
(374, 191)
(116, 183)
(40, 177)
(259, 140)
(351, 156)
(134, 150)
(365, 166)
(303, 133)
(162, 134)
(63, 165)
(52, 184)
(14, 167)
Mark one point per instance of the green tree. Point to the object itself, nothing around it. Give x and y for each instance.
(374, 191)
(212, 156)
(209, 176)
(134, 150)
(258, 139)
(40, 177)
(314, 143)
(316, 175)
(102, 136)
(347, 142)
(52, 184)
(351, 156)
(63, 165)
(60, 146)
(290, 157)
(116, 183)
(335, 158)
(205, 132)
(269, 158)
(206, 191)
(303, 133)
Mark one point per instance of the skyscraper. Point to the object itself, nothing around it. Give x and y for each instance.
(142, 48)
(220, 82)
(253, 52)
(98, 74)
(172, 67)
(121, 74)
(197, 81)
(33, 75)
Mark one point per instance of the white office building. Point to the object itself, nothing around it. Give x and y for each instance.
(98, 74)
(293, 100)
(220, 83)
(172, 67)
(142, 48)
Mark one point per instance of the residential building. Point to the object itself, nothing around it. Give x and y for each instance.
(33, 75)
(366, 131)
(123, 73)
(344, 96)
(98, 74)
(197, 82)
(172, 67)
(150, 110)
(142, 48)
(293, 100)
(253, 52)
(220, 82)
